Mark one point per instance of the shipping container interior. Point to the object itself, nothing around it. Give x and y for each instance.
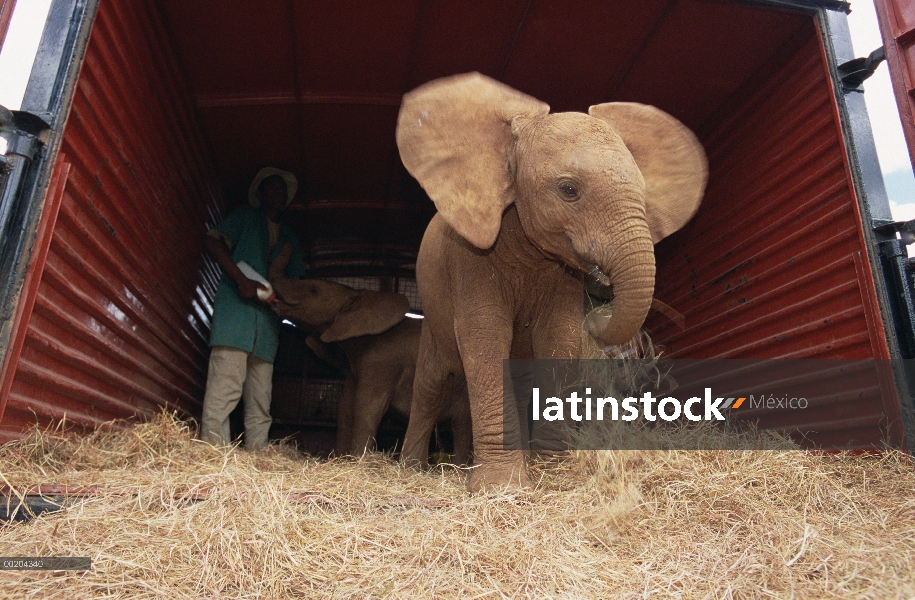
(178, 105)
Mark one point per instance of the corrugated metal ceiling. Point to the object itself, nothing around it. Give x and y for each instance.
(315, 86)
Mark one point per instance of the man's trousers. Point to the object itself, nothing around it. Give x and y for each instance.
(234, 374)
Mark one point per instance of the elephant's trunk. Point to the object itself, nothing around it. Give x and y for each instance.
(284, 291)
(632, 277)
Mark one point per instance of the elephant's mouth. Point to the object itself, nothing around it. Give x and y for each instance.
(597, 289)
(281, 308)
(597, 275)
(285, 298)
(584, 260)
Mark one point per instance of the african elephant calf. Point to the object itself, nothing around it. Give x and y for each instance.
(528, 203)
(380, 344)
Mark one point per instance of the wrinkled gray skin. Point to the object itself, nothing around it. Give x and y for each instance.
(379, 345)
(528, 202)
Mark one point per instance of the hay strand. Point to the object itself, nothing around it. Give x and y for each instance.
(166, 516)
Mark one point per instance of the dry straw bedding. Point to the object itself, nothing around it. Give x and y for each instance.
(176, 518)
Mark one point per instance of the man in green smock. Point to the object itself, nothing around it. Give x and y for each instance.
(245, 330)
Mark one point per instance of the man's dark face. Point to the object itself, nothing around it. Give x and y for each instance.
(272, 192)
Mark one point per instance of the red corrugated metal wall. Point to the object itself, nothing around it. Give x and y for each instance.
(774, 264)
(120, 319)
(897, 23)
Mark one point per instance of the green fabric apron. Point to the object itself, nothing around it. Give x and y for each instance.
(248, 324)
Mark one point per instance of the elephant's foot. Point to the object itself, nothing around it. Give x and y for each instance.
(415, 451)
(488, 476)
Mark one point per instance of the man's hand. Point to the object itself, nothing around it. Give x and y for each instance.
(247, 288)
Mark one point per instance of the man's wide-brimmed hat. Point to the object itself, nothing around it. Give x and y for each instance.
(292, 184)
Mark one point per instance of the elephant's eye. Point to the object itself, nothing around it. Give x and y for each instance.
(569, 190)
(314, 290)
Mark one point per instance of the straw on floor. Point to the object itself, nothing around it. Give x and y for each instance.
(171, 517)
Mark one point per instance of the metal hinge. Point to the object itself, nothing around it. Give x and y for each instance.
(22, 132)
(905, 229)
(897, 270)
(853, 73)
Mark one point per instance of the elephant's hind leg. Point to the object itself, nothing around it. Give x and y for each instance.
(431, 395)
(371, 401)
(345, 417)
(461, 424)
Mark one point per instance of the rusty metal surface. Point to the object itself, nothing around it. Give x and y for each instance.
(6, 15)
(32, 280)
(897, 24)
(120, 317)
(770, 267)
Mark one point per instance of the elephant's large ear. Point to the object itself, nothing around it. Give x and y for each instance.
(369, 313)
(671, 160)
(455, 138)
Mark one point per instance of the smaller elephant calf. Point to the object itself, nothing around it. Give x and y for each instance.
(380, 344)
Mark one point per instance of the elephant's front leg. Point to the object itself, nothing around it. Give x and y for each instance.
(557, 335)
(556, 331)
(370, 402)
(484, 337)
